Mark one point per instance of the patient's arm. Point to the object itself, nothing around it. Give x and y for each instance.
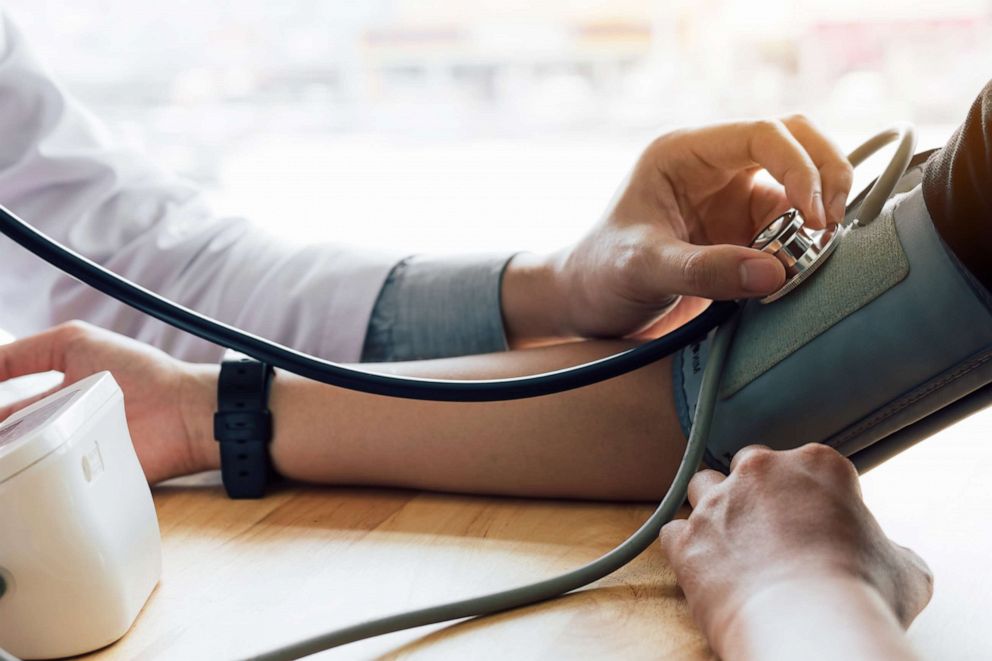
(619, 439)
(957, 187)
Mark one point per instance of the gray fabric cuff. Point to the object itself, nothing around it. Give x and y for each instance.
(437, 307)
(687, 379)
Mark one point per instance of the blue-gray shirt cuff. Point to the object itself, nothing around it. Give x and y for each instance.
(436, 307)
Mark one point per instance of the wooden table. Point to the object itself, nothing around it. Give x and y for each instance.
(240, 577)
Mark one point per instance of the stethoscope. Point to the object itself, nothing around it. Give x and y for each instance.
(800, 249)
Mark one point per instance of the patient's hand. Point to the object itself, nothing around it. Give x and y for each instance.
(151, 380)
(784, 548)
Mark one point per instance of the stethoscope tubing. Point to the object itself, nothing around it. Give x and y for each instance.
(324, 371)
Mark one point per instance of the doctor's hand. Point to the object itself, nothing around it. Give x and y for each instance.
(782, 559)
(677, 228)
(152, 382)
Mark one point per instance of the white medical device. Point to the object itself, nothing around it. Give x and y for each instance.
(80, 551)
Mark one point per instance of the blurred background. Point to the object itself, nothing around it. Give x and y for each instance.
(432, 125)
(484, 124)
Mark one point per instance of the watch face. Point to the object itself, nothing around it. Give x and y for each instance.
(12, 432)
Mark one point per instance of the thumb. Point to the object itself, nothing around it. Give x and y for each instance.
(719, 272)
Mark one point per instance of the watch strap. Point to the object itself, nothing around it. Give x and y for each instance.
(243, 427)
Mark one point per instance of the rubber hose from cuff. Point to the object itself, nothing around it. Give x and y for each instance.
(525, 595)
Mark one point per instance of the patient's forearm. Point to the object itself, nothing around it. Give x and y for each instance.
(618, 439)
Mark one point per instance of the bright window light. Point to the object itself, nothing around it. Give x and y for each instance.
(435, 126)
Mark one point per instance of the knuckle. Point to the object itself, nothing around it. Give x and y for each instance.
(755, 459)
(766, 133)
(824, 458)
(663, 144)
(702, 478)
(74, 329)
(669, 137)
(818, 452)
(697, 271)
(73, 333)
(797, 119)
(768, 127)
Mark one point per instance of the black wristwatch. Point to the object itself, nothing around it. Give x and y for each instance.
(243, 427)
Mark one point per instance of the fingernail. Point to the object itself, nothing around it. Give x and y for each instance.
(816, 204)
(760, 276)
(838, 207)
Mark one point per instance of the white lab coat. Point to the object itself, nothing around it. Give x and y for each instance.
(63, 174)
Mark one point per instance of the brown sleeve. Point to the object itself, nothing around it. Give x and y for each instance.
(957, 188)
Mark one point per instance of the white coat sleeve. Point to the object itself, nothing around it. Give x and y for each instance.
(62, 173)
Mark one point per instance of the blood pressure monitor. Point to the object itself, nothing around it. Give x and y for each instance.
(80, 551)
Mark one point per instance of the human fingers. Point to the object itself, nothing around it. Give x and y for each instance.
(671, 533)
(766, 143)
(702, 483)
(768, 202)
(752, 454)
(39, 353)
(836, 172)
(719, 272)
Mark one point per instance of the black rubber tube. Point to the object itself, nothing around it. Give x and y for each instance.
(282, 357)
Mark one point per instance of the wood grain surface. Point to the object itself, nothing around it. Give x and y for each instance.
(240, 577)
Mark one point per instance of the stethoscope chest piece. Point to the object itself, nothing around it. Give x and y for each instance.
(800, 249)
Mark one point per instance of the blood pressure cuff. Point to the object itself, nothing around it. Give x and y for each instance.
(889, 331)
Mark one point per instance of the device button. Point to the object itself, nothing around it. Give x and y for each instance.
(92, 463)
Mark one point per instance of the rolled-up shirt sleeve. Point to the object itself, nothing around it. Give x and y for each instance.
(62, 173)
(435, 307)
(60, 170)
